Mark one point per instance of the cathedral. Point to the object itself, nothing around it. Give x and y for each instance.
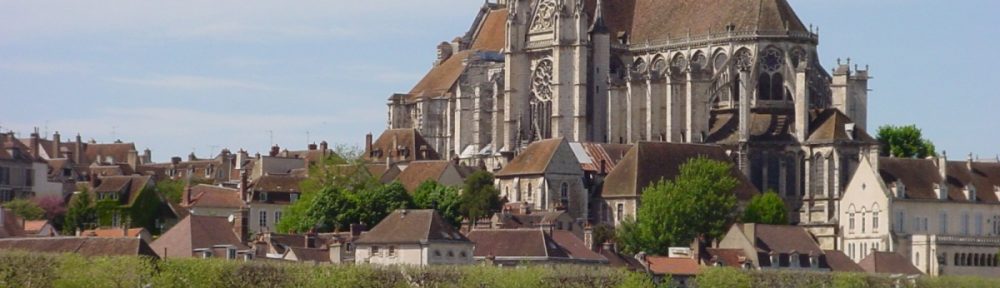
(742, 74)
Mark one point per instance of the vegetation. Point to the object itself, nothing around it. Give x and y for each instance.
(80, 214)
(767, 208)
(446, 200)
(26, 209)
(904, 142)
(479, 198)
(698, 203)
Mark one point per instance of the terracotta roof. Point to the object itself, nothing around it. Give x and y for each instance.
(512, 243)
(574, 247)
(113, 233)
(86, 246)
(888, 263)
(439, 81)
(784, 239)
(117, 151)
(829, 125)
(596, 153)
(412, 227)
(660, 265)
(839, 262)
(418, 172)
(729, 257)
(388, 144)
(918, 176)
(277, 183)
(532, 220)
(211, 196)
(535, 159)
(648, 162)
(131, 184)
(34, 226)
(194, 232)
(982, 176)
(492, 33)
(311, 254)
(661, 19)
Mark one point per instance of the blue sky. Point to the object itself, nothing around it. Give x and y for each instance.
(184, 75)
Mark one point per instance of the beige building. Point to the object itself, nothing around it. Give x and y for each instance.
(943, 216)
(546, 176)
(413, 237)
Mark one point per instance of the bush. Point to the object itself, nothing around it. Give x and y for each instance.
(723, 277)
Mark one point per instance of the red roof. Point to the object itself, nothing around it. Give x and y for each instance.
(673, 266)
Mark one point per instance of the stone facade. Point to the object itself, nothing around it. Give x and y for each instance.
(747, 78)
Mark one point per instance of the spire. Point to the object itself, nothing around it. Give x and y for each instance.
(599, 25)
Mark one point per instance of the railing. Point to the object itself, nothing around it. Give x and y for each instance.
(716, 38)
(962, 240)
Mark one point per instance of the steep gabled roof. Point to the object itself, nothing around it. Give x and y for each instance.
(839, 262)
(211, 196)
(441, 78)
(196, 232)
(785, 239)
(649, 162)
(412, 227)
(888, 263)
(492, 32)
(418, 172)
(388, 143)
(829, 125)
(918, 176)
(536, 158)
(86, 246)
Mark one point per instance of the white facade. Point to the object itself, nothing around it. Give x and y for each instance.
(415, 254)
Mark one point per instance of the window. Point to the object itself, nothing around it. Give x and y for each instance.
(463, 254)
(4, 176)
(875, 212)
(916, 259)
(116, 219)
(263, 219)
(437, 253)
(374, 250)
(943, 222)
(979, 224)
(925, 225)
(294, 197)
(850, 219)
(277, 216)
(621, 212)
(564, 195)
(263, 196)
(451, 253)
(965, 224)
(392, 251)
(864, 221)
(29, 177)
(67, 172)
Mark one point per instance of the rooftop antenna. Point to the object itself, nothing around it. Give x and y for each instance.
(46, 129)
(307, 137)
(271, 134)
(212, 148)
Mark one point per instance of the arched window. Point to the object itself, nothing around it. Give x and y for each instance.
(864, 219)
(564, 195)
(850, 219)
(530, 192)
(875, 212)
(771, 83)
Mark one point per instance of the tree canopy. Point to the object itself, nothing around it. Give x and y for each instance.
(479, 198)
(698, 202)
(767, 208)
(26, 209)
(904, 142)
(446, 200)
(80, 213)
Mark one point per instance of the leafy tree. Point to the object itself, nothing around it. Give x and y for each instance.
(479, 197)
(446, 200)
(904, 142)
(26, 209)
(328, 198)
(173, 190)
(372, 205)
(699, 202)
(767, 208)
(53, 206)
(603, 233)
(80, 213)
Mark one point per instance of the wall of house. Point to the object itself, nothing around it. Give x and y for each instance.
(614, 214)
(865, 200)
(408, 254)
(449, 253)
(270, 223)
(43, 187)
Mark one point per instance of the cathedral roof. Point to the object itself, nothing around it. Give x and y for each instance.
(662, 19)
(535, 159)
(401, 145)
(492, 33)
(832, 125)
(439, 81)
(649, 162)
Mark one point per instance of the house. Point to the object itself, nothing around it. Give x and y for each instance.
(399, 146)
(548, 177)
(680, 265)
(385, 174)
(40, 228)
(205, 237)
(516, 216)
(443, 172)
(140, 233)
(413, 237)
(128, 201)
(18, 169)
(309, 247)
(943, 216)
(766, 247)
(512, 247)
(61, 164)
(649, 162)
(211, 200)
(878, 262)
(86, 246)
(268, 196)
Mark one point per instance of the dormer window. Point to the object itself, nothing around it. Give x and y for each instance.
(970, 193)
(775, 261)
(899, 189)
(813, 260)
(941, 192)
(793, 260)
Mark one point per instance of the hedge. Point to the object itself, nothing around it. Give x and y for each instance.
(23, 269)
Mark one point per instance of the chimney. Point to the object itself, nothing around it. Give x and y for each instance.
(942, 163)
(310, 239)
(356, 229)
(243, 186)
(147, 156)
(312, 147)
(324, 146)
(368, 145)
(192, 157)
(588, 237)
(604, 167)
(133, 159)
(274, 151)
(395, 144)
(968, 163)
(609, 246)
(35, 145)
(78, 150)
(56, 142)
(240, 224)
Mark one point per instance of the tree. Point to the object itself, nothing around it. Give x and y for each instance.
(327, 201)
(767, 208)
(904, 142)
(698, 202)
(26, 209)
(80, 213)
(373, 204)
(446, 200)
(173, 190)
(479, 197)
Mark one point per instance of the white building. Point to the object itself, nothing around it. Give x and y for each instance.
(413, 237)
(943, 216)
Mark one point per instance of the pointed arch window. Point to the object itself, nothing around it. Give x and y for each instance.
(771, 82)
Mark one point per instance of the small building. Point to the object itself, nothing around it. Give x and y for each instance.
(512, 247)
(446, 173)
(268, 196)
(548, 177)
(767, 247)
(40, 228)
(518, 217)
(399, 146)
(413, 237)
(681, 264)
(212, 200)
(205, 237)
(888, 263)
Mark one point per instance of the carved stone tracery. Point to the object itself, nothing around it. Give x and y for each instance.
(544, 16)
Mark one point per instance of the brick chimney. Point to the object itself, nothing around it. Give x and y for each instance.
(244, 195)
(368, 145)
(312, 147)
(175, 160)
(147, 156)
(324, 146)
(187, 194)
(56, 142)
(274, 151)
(240, 224)
(588, 237)
(34, 145)
(78, 150)
(133, 159)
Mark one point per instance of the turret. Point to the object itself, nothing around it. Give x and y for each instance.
(600, 38)
(802, 102)
(850, 92)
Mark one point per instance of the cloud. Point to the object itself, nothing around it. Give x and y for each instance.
(190, 82)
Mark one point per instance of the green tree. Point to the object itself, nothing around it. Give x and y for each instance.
(327, 198)
(373, 204)
(446, 200)
(904, 142)
(699, 202)
(767, 208)
(80, 214)
(479, 197)
(26, 209)
(172, 190)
